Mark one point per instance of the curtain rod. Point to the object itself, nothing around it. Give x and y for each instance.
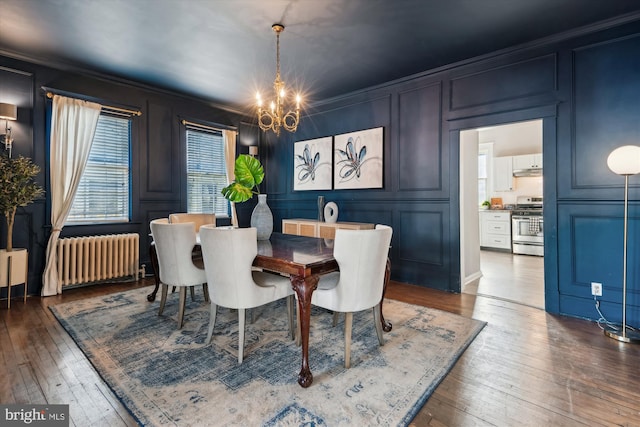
(213, 126)
(49, 93)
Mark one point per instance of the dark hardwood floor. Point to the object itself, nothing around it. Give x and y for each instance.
(526, 367)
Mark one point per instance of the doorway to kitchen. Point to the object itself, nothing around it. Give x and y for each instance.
(501, 174)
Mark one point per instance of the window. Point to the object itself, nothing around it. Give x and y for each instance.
(206, 172)
(482, 178)
(485, 164)
(103, 193)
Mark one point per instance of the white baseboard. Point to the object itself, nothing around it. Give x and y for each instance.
(472, 277)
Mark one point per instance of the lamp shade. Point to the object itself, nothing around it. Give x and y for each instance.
(253, 150)
(625, 160)
(8, 111)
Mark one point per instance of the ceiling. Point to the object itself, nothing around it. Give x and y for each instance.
(222, 51)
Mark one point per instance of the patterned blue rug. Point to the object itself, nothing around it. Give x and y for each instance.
(166, 376)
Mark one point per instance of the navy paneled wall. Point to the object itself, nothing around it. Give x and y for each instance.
(586, 90)
(591, 248)
(157, 158)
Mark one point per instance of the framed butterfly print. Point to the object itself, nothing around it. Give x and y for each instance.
(357, 159)
(312, 164)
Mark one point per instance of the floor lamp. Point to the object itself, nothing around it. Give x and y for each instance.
(624, 161)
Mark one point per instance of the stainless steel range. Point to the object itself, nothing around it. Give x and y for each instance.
(527, 226)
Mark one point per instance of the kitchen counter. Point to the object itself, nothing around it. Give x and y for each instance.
(496, 210)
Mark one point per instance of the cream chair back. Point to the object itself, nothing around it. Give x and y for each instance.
(228, 254)
(199, 219)
(174, 243)
(362, 258)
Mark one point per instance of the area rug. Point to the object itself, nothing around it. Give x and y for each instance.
(166, 376)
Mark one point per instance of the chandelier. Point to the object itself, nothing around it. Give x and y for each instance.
(274, 117)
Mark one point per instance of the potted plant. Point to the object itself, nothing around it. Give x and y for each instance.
(17, 188)
(485, 205)
(249, 173)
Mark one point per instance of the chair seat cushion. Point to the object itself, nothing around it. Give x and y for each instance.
(329, 281)
(271, 287)
(325, 294)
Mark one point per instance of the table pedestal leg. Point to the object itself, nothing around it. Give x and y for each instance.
(304, 289)
(156, 272)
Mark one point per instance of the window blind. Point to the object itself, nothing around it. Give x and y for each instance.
(206, 172)
(103, 193)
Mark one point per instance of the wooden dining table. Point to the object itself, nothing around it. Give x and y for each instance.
(304, 260)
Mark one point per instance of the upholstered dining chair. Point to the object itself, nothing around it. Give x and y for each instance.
(362, 259)
(199, 219)
(228, 254)
(173, 245)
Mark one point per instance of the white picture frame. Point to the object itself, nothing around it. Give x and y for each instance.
(358, 159)
(312, 164)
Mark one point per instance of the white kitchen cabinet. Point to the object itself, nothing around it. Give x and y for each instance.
(502, 173)
(495, 229)
(527, 161)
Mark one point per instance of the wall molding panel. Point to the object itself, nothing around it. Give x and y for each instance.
(161, 177)
(421, 237)
(605, 99)
(590, 250)
(419, 147)
(530, 77)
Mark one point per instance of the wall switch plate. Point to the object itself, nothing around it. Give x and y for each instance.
(596, 289)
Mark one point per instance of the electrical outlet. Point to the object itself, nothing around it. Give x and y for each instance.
(596, 289)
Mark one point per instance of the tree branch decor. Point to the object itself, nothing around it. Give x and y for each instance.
(17, 188)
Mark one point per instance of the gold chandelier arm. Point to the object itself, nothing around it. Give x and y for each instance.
(269, 121)
(290, 120)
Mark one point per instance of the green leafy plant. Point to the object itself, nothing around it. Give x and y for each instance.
(486, 203)
(17, 188)
(249, 173)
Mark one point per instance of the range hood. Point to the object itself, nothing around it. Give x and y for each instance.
(527, 172)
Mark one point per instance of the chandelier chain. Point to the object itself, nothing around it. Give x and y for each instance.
(278, 55)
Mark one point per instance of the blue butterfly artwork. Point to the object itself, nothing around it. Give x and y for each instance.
(352, 159)
(357, 159)
(312, 166)
(308, 164)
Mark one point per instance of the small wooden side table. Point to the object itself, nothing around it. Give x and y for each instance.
(13, 271)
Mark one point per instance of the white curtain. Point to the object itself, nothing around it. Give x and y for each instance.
(73, 124)
(230, 160)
